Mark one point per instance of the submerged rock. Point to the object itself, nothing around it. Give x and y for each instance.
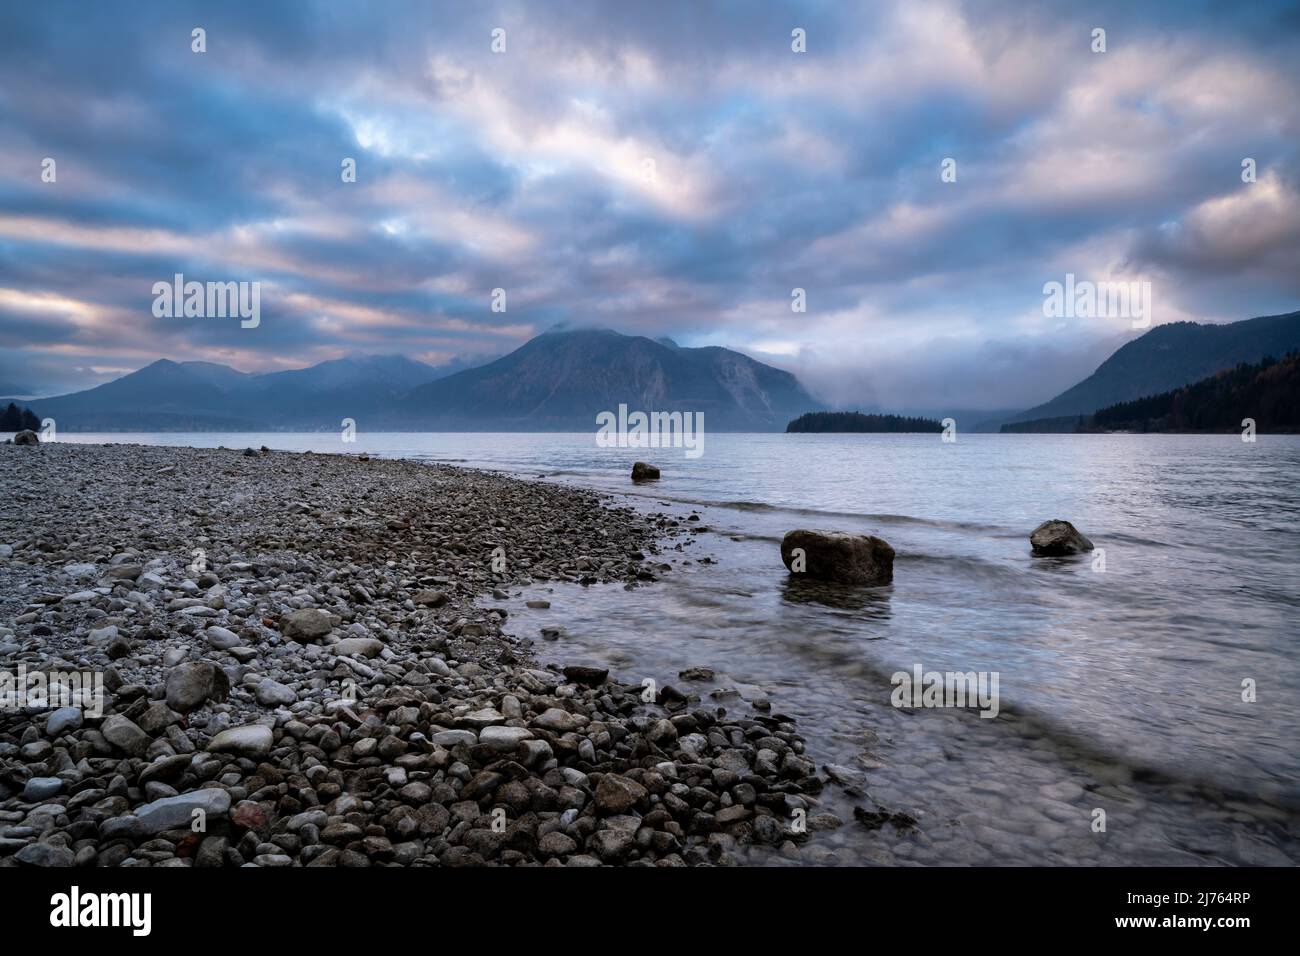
(838, 556)
(1057, 537)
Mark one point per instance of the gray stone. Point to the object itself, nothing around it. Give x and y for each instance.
(358, 647)
(45, 854)
(272, 693)
(308, 626)
(193, 683)
(251, 740)
(1057, 537)
(838, 557)
(221, 638)
(125, 735)
(157, 718)
(41, 788)
(63, 721)
(102, 635)
(504, 739)
(556, 721)
(484, 717)
(177, 813)
(450, 738)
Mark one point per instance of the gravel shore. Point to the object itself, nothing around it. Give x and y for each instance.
(299, 669)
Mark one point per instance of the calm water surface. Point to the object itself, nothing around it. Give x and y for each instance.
(1120, 689)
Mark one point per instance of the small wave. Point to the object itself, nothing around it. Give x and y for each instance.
(878, 517)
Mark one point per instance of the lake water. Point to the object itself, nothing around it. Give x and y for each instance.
(1120, 689)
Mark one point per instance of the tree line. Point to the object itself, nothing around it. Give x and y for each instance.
(858, 422)
(15, 419)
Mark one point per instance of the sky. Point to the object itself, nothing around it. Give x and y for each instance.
(662, 169)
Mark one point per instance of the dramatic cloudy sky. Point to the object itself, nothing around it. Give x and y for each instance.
(658, 168)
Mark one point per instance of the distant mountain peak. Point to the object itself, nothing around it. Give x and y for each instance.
(561, 380)
(1170, 356)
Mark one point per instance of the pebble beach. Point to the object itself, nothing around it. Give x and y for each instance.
(299, 664)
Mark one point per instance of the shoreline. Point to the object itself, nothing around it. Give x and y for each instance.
(293, 654)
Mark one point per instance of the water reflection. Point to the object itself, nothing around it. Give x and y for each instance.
(871, 602)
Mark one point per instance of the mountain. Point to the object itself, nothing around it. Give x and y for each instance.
(1169, 357)
(205, 396)
(562, 380)
(559, 380)
(1267, 392)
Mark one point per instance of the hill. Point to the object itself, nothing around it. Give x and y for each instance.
(1268, 392)
(1169, 357)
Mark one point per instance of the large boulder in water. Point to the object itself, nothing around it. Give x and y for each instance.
(28, 437)
(1057, 537)
(838, 556)
(643, 472)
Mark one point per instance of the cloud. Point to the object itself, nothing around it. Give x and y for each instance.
(669, 169)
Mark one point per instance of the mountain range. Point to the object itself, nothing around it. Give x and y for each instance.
(556, 381)
(205, 396)
(560, 380)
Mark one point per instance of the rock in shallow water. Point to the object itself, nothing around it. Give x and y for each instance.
(1058, 537)
(644, 472)
(838, 557)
